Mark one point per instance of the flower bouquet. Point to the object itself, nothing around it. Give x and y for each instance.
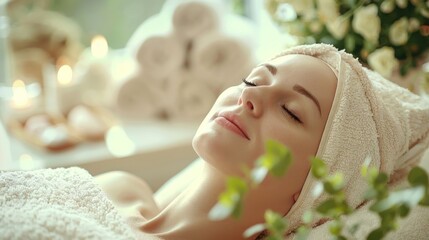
(390, 36)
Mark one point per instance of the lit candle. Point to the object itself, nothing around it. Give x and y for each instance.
(68, 89)
(92, 70)
(22, 104)
(20, 98)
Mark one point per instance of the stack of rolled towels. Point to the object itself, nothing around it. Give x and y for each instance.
(187, 55)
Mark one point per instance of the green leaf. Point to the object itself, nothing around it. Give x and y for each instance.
(425, 200)
(237, 184)
(254, 230)
(410, 197)
(403, 210)
(350, 43)
(220, 212)
(275, 223)
(365, 166)
(230, 200)
(327, 207)
(335, 227)
(418, 176)
(302, 233)
(318, 168)
(278, 156)
(334, 183)
(258, 174)
(307, 217)
(381, 179)
(376, 234)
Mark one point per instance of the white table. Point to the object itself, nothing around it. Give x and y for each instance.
(162, 149)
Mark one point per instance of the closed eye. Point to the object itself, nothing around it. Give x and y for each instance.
(247, 83)
(292, 115)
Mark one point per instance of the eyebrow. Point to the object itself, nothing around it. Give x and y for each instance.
(296, 87)
(303, 91)
(271, 68)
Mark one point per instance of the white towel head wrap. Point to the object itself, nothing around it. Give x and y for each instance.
(370, 117)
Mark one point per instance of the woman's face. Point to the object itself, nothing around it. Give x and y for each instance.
(287, 99)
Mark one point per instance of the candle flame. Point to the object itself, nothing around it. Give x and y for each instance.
(20, 97)
(99, 47)
(65, 75)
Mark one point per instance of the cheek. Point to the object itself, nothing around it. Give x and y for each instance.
(302, 144)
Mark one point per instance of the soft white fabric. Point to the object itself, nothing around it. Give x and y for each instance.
(220, 60)
(370, 118)
(139, 96)
(57, 204)
(191, 19)
(192, 97)
(159, 55)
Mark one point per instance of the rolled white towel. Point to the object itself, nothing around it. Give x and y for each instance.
(220, 60)
(137, 97)
(191, 19)
(156, 48)
(161, 55)
(192, 98)
(158, 24)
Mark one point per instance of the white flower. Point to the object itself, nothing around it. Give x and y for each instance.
(339, 27)
(383, 61)
(367, 23)
(327, 10)
(413, 25)
(398, 32)
(424, 12)
(285, 12)
(402, 3)
(301, 6)
(387, 6)
(315, 27)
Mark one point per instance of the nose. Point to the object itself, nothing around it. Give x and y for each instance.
(251, 101)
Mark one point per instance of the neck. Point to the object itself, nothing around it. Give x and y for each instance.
(187, 215)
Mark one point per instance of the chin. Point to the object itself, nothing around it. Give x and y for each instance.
(222, 155)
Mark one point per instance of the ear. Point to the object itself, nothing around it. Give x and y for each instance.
(295, 196)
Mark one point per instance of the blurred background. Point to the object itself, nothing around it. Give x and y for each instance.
(122, 85)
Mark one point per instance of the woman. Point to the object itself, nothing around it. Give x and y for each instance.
(314, 99)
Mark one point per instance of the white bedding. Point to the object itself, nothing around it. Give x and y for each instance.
(57, 204)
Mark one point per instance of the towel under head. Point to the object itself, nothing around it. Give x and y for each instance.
(370, 117)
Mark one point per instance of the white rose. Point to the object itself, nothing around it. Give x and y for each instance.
(402, 3)
(301, 6)
(387, 6)
(413, 25)
(383, 61)
(327, 10)
(339, 27)
(367, 23)
(398, 32)
(285, 12)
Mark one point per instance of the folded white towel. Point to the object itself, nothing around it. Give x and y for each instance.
(156, 48)
(194, 18)
(161, 55)
(220, 60)
(191, 97)
(139, 96)
(370, 117)
(57, 204)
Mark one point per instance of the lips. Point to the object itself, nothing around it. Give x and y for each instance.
(232, 123)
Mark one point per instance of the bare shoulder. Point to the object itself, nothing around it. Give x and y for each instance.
(129, 193)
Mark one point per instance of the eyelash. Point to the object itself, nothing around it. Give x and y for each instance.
(288, 112)
(291, 115)
(247, 83)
